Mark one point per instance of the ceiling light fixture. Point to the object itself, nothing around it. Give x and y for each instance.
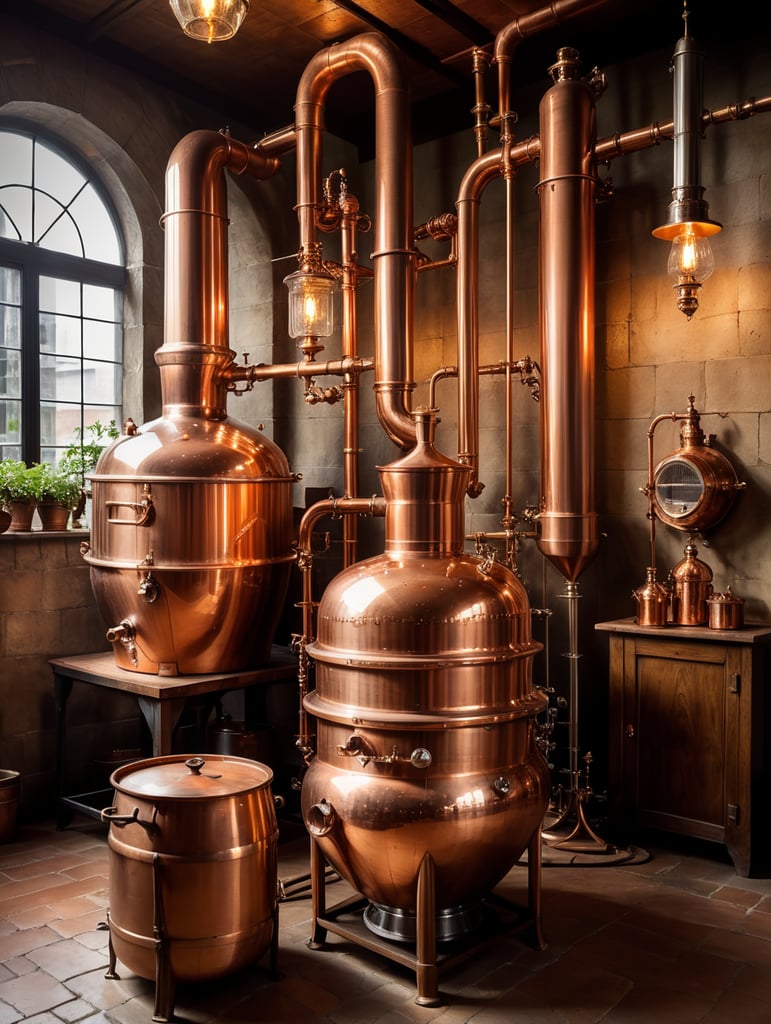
(688, 224)
(210, 20)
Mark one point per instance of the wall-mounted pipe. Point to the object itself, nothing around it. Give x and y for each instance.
(393, 256)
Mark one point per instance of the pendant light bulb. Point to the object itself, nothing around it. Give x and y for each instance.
(210, 20)
(690, 258)
(690, 264)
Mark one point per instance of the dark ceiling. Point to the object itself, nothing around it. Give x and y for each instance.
(252, 78)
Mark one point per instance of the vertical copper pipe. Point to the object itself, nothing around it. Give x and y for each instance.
(394, 258)
(568, 534)
(195, 347)
(477, 177)
(350, 211)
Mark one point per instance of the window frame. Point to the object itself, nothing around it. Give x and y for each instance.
(34, 262)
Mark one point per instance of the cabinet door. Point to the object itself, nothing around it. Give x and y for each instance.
(686, 731)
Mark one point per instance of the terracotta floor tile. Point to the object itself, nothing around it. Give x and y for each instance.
(71, 926)
(74, 1010)
(75, 907)
(677, 939)
(34, 993)
(9, 1014)
(66, 958)
(737, 897)
(47, 866)
(33, 918)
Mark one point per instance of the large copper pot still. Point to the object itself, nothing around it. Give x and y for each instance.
(192, 513)
(424, 709)
(193, 869)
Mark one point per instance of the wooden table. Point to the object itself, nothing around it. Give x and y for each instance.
(161, 699)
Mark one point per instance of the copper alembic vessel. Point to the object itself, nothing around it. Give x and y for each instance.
(425, 711)
(191, 540)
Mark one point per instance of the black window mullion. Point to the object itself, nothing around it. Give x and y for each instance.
(30, 365)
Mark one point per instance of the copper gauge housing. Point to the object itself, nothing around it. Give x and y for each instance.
(693, 488)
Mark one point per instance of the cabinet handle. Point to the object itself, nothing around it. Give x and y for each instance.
(629, 732)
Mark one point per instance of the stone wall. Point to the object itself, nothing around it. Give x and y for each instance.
(47, 610)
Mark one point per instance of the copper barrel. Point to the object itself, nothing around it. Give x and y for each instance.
(193, 868)
(424, 709)
(192, 513)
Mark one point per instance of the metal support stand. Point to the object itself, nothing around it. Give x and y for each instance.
(346, 919)
(571, 831)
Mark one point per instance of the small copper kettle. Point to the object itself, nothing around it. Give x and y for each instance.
(653, 601)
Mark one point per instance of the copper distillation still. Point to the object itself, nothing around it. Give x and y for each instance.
(692, 490)
(423, 656)
(191, 541)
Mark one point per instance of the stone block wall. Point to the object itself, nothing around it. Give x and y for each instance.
(47, 610)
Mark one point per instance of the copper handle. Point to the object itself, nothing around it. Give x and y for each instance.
(111, 814)
(629, 732)
(144, 510)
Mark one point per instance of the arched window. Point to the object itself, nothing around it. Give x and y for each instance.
(61, 298)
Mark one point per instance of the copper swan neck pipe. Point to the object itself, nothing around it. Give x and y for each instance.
(195, 351)
(393, 257)
(511, 35)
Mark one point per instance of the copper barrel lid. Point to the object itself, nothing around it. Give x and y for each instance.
(183, 777)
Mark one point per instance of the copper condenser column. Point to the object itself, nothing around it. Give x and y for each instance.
(567, 524)
(425, 710)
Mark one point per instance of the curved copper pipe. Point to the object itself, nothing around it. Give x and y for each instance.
(328, 508)
(511, 35)
(195, 349)
(394, 257)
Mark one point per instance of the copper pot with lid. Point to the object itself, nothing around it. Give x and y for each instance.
(193, 869)
(726, 611)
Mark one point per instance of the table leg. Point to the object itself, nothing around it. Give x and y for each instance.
(161, 717)
(62, 691)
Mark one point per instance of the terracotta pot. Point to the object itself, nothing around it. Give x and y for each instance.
(53, 515)
(21, 516)
(5, 520)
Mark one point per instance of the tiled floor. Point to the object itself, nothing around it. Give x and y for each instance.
(673, 939)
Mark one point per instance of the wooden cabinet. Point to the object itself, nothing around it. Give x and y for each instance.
(690, 735)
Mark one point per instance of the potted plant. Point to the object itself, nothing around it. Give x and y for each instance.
(20, 491)
(60, 494)
(81, 457)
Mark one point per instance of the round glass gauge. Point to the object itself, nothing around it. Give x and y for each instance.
(679, 488)
(694, 488)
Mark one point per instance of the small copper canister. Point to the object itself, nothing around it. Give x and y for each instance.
(725, 611)
(693, 586)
